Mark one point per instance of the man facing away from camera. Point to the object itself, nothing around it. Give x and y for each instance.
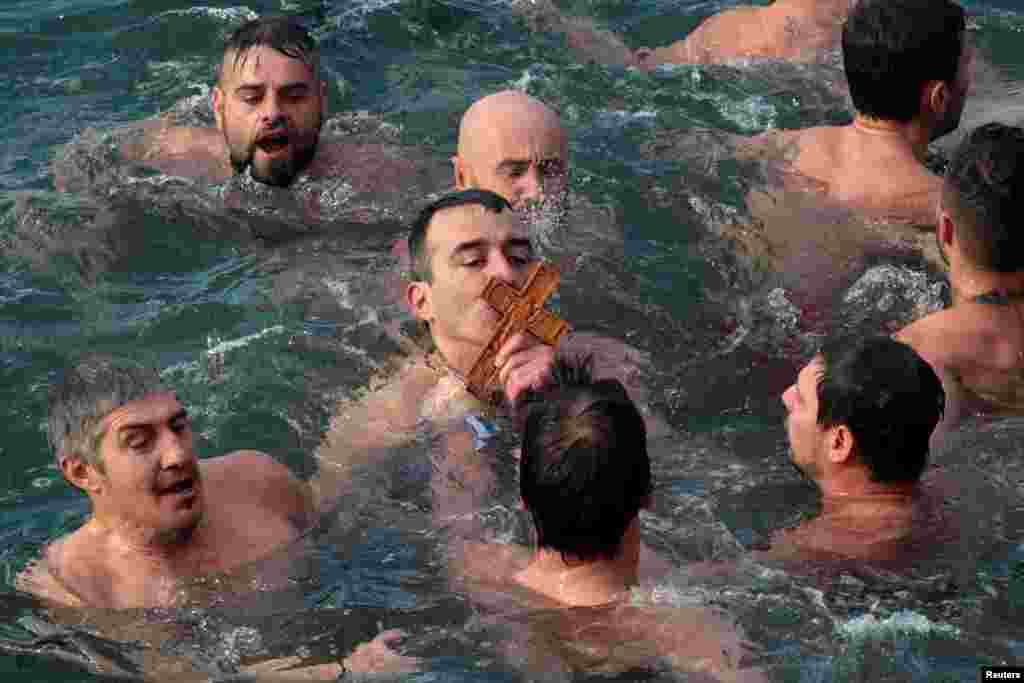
(977, 345)
(584, 476)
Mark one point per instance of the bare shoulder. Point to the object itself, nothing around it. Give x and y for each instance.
(247, 476)
(42, 577)
(714, 40)
(188, 151)
(493, 563)
(951, 336)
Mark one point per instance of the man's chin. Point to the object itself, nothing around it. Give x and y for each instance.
(181, 529)
(277, 173)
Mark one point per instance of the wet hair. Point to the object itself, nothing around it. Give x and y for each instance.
(892, 48)
(584, 469)
(888, 396)
(418, 256)
(87, 393)
(984, 193)
(284, 34)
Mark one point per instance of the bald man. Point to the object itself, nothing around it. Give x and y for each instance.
(512, 144)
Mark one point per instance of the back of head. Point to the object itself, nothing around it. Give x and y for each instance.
(418, 255)
(888, 396)
(584, 469)
(284, 34)
(892, 48)
(984, 194)
(87, 393)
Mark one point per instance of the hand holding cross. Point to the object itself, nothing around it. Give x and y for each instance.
(522, 310)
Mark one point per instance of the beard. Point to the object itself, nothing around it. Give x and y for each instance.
(278, 172)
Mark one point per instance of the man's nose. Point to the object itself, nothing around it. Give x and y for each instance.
(176, 452)
(531, 185)
(271, 111)
(500, 267)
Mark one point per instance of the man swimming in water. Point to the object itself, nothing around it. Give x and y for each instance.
(907, 63)
(456, 245)
(124, 439)
(584, 476)
(977, 345)
(797, 30)
(858, 420)
(161, 517)
(269, 104)
(514, 145)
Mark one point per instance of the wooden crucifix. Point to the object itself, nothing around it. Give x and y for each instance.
(522, 310)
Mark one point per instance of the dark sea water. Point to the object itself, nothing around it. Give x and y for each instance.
(262, 334)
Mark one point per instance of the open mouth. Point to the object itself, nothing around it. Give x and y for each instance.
(181, 487)
(271, 144)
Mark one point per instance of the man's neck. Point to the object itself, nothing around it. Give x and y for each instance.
(857, 496)
(165, 552)
(458, 356)
(582, 583)
(969, 283)
(913, 136)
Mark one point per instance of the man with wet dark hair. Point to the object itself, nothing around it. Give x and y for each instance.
(421, 269)
(977, 345)
(584, 469)
(908, 64)
(457, 244)
(269, 103)
(584, 476)
(859, 419)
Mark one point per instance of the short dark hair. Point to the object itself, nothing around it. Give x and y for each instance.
(584, 469)
(892, 48)
(418, 257)
(888, 396)
(88, 392)
(984, 193)
(284, 34)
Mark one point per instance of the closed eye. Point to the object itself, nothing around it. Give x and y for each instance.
(180, 424)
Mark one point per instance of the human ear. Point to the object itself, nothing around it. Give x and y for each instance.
(417, 297)
(840, 444)
(217, 98)
(80, 473)
(937, 97)
(459, 172)
(946, 229)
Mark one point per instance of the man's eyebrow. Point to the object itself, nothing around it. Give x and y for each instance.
(463, 247)
(517, 242)
(251, 86)
(297, 85)
(509, 163)
(144, 425)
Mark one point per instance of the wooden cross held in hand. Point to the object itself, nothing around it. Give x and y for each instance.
(521, 310)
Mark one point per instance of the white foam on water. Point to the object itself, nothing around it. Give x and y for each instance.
(613, 118)
(904, 622)
(239, 14)
(233, 344)
(355, 13)
(915, 285)
(218, 347)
